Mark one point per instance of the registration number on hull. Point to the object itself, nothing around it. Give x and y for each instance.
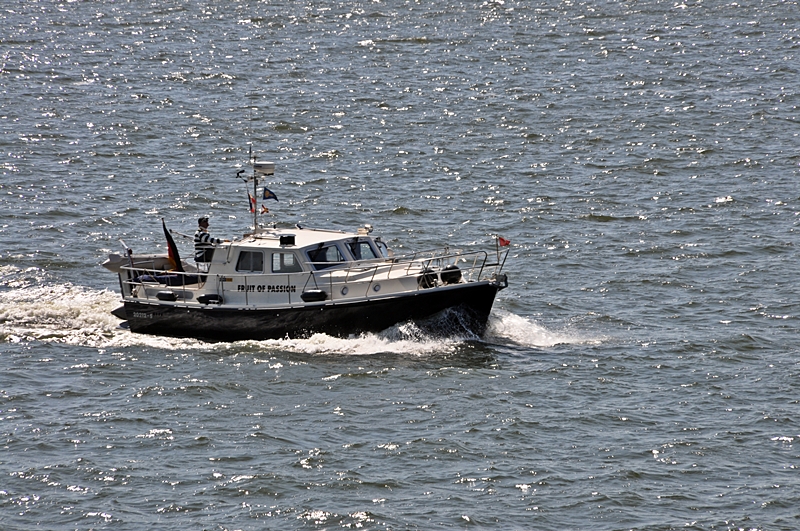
(146, 315)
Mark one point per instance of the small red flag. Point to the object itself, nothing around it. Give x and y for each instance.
(252, 202)
(503, 242)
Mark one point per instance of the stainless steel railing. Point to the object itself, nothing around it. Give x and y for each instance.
(143, 279)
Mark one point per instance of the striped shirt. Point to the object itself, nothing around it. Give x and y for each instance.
(204, 245)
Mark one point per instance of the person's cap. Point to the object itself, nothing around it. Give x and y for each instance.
(201, 220)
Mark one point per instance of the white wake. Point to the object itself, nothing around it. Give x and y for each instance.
(75, 315)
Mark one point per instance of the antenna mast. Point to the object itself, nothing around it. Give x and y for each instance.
(254, 201)
(259, 168)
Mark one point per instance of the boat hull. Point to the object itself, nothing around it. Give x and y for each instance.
(473, 302)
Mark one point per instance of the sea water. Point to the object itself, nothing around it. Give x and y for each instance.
(640, 372)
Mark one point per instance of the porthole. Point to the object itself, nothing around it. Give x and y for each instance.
(376, 288)
(344, 290)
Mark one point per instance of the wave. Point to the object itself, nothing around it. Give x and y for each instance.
(367, 344)
(507, 327)
(72, 315)
(76, 315)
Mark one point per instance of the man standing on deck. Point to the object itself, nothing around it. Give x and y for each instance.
(204, 244)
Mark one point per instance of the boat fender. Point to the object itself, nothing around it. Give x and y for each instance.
(427, 279)
(167, 296)
(209, 298)
(314, 295)
(451, 274)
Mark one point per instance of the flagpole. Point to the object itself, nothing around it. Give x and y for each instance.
(255, 195)
(255, 204)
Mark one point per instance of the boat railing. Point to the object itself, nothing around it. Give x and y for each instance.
(140, 275)
(146, 279)
(472, 265)
(429, 267)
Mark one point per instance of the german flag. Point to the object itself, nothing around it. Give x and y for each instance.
(172, 250)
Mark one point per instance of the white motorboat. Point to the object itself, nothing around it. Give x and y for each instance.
(293, 282)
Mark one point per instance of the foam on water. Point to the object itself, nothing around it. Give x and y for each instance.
(408, 338)
(76, 315)
(364, 345)
(73, 315)
(506, 327)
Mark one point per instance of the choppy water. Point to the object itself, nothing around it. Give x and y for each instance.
(641, 372)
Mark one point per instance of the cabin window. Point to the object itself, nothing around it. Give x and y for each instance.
(361, 250)
(250, 262)
(325, 257)
(285, 263)
(383, 249)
